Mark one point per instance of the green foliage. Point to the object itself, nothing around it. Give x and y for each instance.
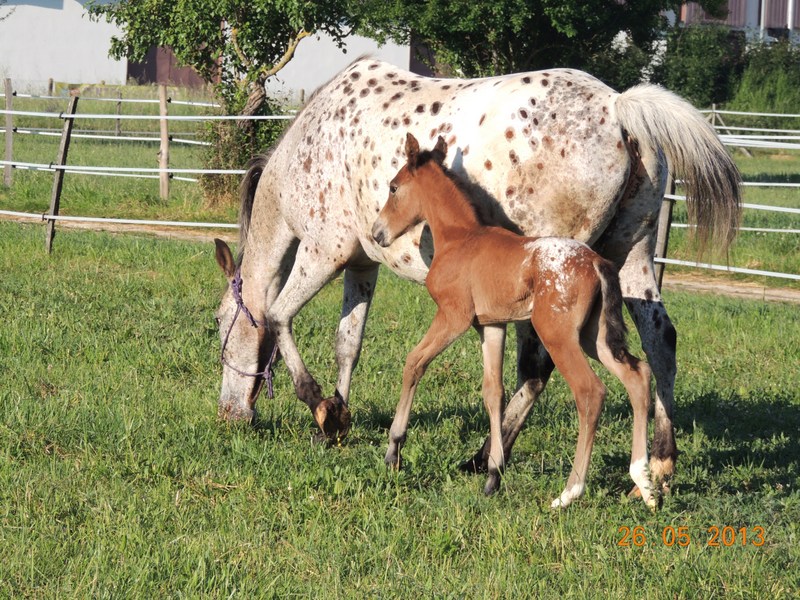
(245, 41)
(232, 146)
(703, 63)
(490, 38)
(117, 480)
(770, 83)
(236, 46)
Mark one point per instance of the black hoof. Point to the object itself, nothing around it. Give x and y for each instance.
(476, 464)
(492, 484)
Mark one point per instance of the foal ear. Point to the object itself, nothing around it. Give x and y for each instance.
(412, 151)
(439, 151)
(225, 258)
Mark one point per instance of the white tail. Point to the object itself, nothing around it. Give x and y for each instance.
(655, 116)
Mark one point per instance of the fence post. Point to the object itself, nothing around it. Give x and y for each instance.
(58, 180)
(118, 128)
(7, 171)
(662, 235)
(163, 153)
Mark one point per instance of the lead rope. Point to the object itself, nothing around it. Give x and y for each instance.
(267, 374)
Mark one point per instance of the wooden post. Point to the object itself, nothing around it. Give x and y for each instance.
(8, 170)
(163, 153)
(118, 128)
(662, 236)
(58, 180)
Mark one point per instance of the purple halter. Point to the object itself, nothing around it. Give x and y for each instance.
(267, 373)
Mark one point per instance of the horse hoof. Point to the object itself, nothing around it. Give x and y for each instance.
(234, 414)
(476, 464)
(392, 461)
(492, 484)
(333, 418)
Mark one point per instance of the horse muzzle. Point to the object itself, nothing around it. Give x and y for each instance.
(380, 234)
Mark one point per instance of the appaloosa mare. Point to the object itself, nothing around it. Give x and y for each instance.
(552, 152)
(485, 276)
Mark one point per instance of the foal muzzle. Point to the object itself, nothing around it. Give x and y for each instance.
(380, 235)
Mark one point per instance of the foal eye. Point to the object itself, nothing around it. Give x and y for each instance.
(392, 188)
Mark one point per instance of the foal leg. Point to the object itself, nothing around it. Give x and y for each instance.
(635, 376)
(444, 330)
(303, 283)
(493, 339)
(534, 367)
(589, 393)
(359, 287)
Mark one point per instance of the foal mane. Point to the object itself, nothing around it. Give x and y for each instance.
(462, 187)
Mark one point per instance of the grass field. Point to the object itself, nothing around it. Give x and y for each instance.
(117, 480)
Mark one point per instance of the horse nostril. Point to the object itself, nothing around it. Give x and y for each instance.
(378, 234)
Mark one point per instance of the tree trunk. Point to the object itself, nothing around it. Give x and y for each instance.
(256, 99)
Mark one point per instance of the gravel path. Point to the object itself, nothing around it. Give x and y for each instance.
(682, 282)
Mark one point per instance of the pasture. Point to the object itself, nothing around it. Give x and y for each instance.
(117, 479)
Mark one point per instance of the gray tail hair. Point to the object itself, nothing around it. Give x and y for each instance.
(247, 195)
(655, 116)
(616, 330)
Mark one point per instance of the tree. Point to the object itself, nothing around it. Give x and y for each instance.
(237, 45)
(489, 38)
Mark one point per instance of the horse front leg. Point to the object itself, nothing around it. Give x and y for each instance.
(304, 281)
(444, 330)
(534, 367)
(493, 339)
(359, 288)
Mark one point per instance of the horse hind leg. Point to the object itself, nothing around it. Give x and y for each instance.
(659, 342)
(359, 288)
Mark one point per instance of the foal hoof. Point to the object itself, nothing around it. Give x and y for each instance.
(333, 418)
(652, 501)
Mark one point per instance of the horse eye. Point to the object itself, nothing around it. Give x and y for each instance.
(392, 188)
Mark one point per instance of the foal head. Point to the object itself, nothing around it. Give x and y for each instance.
(403, 209)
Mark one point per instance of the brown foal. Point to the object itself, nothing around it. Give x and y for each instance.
(484, 277)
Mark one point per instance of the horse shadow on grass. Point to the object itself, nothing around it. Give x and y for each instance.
(730, 443)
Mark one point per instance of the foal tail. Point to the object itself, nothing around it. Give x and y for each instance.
(655, 116)
(247, 195)
(616, 330)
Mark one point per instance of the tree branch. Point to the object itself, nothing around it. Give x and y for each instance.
(287, 56)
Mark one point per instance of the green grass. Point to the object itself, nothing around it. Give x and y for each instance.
(117, 480)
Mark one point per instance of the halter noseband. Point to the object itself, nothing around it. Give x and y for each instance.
(267, 373)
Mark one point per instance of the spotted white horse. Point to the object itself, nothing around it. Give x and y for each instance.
(552, 152)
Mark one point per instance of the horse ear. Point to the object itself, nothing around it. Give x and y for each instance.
(225, 258)
(440, 150)
(412, 151)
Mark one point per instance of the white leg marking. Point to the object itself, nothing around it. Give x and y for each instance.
(568, 495)
(639, 474)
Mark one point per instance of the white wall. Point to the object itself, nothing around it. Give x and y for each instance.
(317, 60)
(55, 38)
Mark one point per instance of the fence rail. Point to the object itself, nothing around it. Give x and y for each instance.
(754, 137)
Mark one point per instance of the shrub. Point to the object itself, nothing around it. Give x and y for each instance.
(234, 143)
(702, 63)
(770, 83)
